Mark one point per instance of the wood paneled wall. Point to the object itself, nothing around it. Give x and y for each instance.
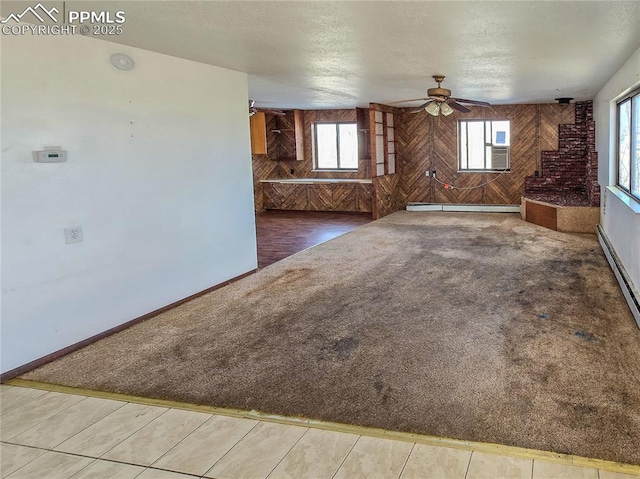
(385, 192)
(267, 166)
(427, 143)
(386, 186)
(318, 197)
(263, 169)
(551, 116)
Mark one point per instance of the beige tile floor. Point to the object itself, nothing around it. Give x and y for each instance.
(54, 435)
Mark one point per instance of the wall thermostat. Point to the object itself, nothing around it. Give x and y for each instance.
(50, 156)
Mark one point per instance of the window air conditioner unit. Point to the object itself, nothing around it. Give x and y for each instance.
(499, 157)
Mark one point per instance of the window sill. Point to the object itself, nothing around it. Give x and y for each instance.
(339, 170)
(626, 198)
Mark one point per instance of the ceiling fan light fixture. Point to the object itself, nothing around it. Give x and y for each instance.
(445, 109)
(433, 108)
(439, 101)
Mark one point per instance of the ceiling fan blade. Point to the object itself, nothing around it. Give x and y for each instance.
(457, 106)
(406, 101)
(472, 102)
(420, 108)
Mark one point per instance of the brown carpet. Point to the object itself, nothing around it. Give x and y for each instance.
(470, 326)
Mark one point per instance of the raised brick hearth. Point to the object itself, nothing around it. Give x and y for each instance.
(569, 175)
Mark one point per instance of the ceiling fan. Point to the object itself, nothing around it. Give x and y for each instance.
(253, 110)
(439, 101)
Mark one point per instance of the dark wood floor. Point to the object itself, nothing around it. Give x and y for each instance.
(283, 233)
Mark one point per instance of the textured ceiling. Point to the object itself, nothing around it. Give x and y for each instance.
(307, 54)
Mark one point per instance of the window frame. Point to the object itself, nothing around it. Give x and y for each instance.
(459, 143)
(633, 164)
(315, 145)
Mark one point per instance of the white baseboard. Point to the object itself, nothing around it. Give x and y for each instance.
(423, 207)
(463, 208)
(627, 287)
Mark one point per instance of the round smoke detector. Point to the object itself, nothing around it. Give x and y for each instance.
(122, 61)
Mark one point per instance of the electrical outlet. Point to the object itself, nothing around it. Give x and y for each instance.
(433, 173)
(73, 234)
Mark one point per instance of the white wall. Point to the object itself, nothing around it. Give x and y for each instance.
(158, 176)
(619, 218)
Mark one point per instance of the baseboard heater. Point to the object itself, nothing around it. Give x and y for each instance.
(463, 208)
(629, 291)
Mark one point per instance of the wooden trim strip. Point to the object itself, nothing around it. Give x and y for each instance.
(36, 363)
(490, 448)
(384, 108)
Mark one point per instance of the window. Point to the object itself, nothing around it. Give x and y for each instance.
(629, 144)
(483, 145)
(335, 146)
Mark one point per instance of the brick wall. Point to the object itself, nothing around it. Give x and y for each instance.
(570, 173)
